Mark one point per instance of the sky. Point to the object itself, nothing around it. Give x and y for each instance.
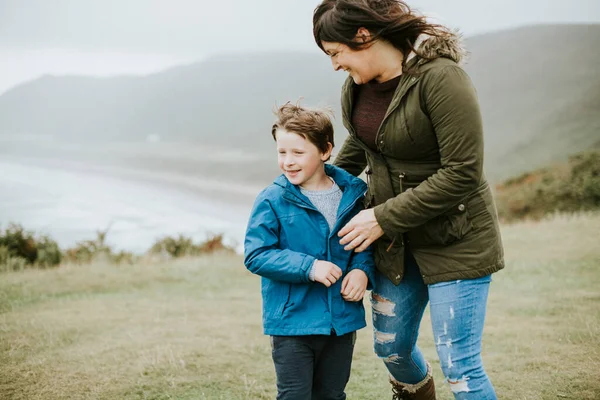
(108, 37)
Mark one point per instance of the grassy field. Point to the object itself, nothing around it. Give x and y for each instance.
(191, 329)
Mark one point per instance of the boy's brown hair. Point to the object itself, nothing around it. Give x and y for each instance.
(312, 124)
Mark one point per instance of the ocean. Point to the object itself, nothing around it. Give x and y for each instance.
(71, 206)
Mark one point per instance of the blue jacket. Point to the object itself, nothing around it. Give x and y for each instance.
(285, 235)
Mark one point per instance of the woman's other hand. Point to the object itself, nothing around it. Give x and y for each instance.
(360, 231)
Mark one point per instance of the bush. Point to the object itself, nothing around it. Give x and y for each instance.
(87, 251)
(570, 187)
(19, 244)
(49, 254)
(174, 247)
(181, 246)
(8, 262)
(20, 249)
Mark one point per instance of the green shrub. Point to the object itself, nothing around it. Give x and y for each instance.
(181, 246)
(174, 246)
(21, 248)
(570, 187)
(49, 254)
(88, 251)
(20, 243)
(123, 257)
(8, 262)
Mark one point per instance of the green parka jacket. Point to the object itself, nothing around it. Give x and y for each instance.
(426, 180)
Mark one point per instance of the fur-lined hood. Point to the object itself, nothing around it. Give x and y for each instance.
(449, 46)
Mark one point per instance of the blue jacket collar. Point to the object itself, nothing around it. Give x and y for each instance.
(352, 187)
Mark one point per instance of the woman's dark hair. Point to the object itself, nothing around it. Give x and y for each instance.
(390, 20)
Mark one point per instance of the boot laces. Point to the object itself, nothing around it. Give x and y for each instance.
(400, 394)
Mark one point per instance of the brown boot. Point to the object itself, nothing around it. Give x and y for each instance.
(424, 390)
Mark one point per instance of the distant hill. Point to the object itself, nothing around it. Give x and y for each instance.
(225, 100)
(539, 89)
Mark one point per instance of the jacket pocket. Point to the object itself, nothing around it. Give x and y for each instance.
(388, 255)
(444, 229)
(275, 296)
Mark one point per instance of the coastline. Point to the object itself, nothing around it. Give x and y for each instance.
(139, 206)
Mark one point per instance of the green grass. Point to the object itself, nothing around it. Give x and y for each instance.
(191, 328)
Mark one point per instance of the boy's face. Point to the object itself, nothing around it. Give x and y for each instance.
(299, 159)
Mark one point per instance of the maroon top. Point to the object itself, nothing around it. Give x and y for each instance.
(371, 101)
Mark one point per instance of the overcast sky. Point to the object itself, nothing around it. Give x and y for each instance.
(105, 37)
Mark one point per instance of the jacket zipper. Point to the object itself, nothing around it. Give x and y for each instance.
(349, 207)
(368, 174)
(401, 176)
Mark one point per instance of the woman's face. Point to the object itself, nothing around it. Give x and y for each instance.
(358, 63)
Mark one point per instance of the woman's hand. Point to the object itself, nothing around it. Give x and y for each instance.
(360, 231)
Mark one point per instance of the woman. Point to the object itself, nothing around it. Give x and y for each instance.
(415, 125)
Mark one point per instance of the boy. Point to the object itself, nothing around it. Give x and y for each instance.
(312, 288)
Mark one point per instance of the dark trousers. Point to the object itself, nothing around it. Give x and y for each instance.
(315, 367)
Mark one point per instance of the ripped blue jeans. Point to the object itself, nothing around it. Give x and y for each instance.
(457, 316)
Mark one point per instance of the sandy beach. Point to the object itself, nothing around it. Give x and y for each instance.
(70, 200)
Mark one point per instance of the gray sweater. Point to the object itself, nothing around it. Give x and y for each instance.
(327, 202)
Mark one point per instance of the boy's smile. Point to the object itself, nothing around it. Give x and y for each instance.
(301, 161)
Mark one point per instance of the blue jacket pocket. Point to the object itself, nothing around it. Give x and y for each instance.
(275, 297)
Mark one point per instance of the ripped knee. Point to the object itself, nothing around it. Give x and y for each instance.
(385, 347)
(382, 305)
(391, 359)
(384, 337)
